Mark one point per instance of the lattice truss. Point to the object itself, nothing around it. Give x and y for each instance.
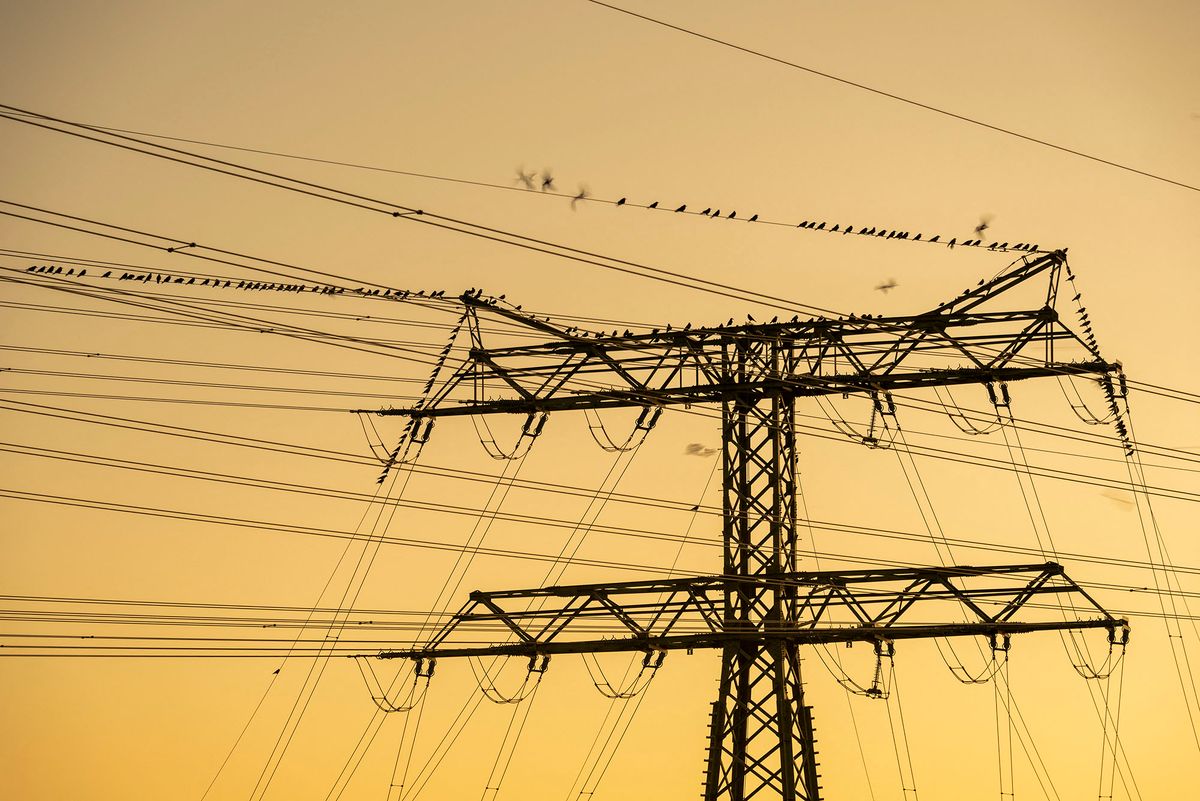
(760, 609)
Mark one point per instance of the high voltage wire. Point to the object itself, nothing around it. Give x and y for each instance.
(623, 202)
(896, 97)
(291, 487)
(409, 213)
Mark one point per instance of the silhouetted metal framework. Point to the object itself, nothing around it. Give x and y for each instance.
(761, 609)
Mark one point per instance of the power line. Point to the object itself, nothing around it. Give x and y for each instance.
(891, 96)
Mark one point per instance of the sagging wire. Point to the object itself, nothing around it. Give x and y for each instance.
(487, 683)
(960, 419)
(999, 645)
(595, 774)
(375, 443)
(379, 695)
(1079, 405)
(881, 679)
(883, 408)
(645, 422)
(530, 431)
(1116, 655)
(651, 662)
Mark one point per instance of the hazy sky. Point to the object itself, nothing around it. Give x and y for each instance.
(622, 108)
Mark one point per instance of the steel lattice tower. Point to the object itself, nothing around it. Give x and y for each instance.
(761, 608)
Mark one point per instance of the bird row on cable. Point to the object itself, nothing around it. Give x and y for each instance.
(227, 283)
(836, 228)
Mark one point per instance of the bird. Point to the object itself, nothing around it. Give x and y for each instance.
(621, 202)
(716, 214)
(682, 207)
(732, 214)
(107, 274)
(750, 317)
(547, 181)
(917, 238)
(887, 286)
(984, 224)
(834, 228)
(849, 229)
(821, 227)
(525, 178)
(582, 194)
(653, 205)
(707, 211)
(803, 224)
(951, 243)
(753, 218)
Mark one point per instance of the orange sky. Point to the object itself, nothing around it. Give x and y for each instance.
(473, 91)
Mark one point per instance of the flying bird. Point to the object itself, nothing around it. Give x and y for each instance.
(525, 178)
(547, 181)
(984, 223)
(887, 286)
(698, 449)
(582, 194)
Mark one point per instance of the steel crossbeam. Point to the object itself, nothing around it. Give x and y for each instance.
(761, 609)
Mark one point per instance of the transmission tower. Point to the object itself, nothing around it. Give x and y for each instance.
(760, 609)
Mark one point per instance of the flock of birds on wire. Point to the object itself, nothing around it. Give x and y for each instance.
(544, 182)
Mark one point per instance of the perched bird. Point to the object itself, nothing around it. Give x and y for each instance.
(952, 243)
(707, 211)
(732, 214)
(107, 274)
(803, 224)
(821, 227)
(750, 317)
(547, 181)
(716, 213)
(849, 229)
(683, 207)
(834, 228)
(917, 238)
(653, 205)
(621, 202)
(887, 286)
(753, 218)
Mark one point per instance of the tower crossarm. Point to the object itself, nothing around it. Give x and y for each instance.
(962, 341)
(832, 606)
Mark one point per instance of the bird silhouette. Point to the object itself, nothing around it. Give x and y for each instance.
(582, 194)
(653, 205)
(547, 181)
(951, 243)
(984, 223)
(887, 286)
(707, 211)
(753, 218)
(682, 208)
(525, 178)
(732, 214)
(621, 202)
